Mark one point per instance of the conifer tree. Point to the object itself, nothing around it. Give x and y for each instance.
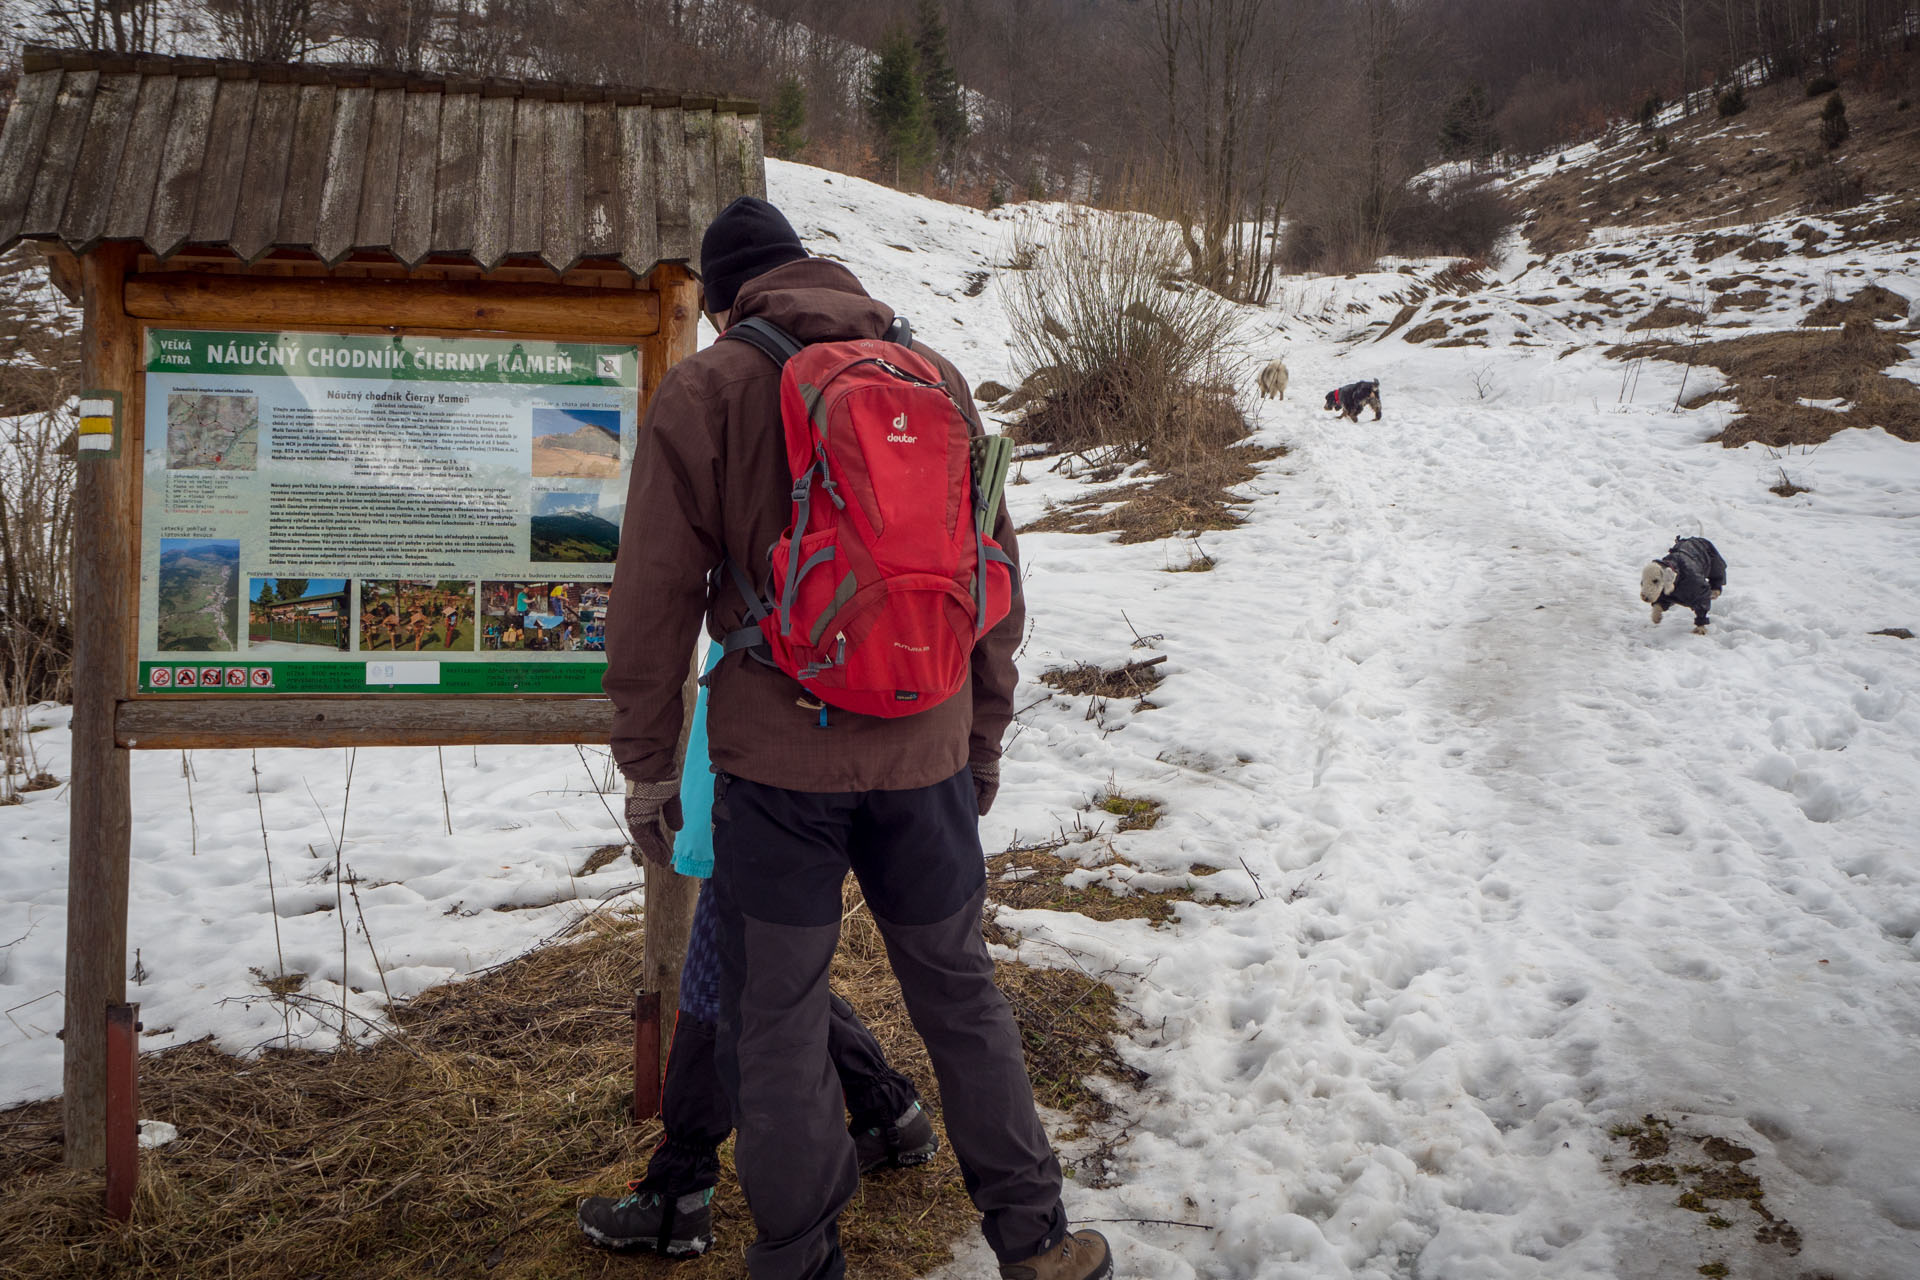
(1833, 122)
(897, 106)
(946, 102)
(787, 118)
(1466, 125)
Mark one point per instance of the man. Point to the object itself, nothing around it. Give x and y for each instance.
(803, 796)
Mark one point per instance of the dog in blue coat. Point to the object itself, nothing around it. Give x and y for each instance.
(1691, 575)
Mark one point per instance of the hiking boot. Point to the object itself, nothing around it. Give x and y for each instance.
(908, 1141)
(1080, 1255)
(649, 1221)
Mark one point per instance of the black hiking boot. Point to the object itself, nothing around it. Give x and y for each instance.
(908, 1141)
(648, 1221)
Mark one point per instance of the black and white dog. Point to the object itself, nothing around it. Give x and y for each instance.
(1354, 397)
(1690, 575)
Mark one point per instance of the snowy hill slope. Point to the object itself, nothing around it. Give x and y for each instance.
(1484, 864)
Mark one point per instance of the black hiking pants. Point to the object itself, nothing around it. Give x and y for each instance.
(780, 858)
(694, 1108)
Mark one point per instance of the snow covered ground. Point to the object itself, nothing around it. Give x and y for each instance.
(1485, 863)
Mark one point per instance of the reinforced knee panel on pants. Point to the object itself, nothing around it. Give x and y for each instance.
(946, 977)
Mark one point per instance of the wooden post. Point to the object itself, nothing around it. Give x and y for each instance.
(678, 331)
(123, 1108)
(668, 919)
(646, 1055)
(105, 572)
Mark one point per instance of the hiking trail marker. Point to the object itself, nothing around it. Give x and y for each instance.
(365, 357)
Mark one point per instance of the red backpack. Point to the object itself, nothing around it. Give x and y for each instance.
(881, 583)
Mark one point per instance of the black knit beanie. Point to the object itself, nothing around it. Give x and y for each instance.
(748, 238)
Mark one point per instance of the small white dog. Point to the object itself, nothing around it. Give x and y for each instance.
(1273, 381)
(1690, 575)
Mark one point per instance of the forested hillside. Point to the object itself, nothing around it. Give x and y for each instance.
(1237, 116)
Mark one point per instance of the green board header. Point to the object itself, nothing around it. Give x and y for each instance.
(395, 358)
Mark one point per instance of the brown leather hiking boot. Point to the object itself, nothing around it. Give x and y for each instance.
(1080, 1255)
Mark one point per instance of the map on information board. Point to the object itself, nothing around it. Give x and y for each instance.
(347, 513)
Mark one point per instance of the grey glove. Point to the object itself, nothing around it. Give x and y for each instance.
(653, 815)
(986, 783)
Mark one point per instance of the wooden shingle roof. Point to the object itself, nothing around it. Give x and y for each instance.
(249, 157)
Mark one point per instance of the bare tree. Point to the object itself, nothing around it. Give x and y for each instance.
(1229, 131)
(263, 30)
(123, 26)
(1675, 18)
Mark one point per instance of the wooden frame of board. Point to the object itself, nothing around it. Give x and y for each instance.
(185, 193)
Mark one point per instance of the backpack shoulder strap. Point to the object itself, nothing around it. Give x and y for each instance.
(900, 332)
(774, 342)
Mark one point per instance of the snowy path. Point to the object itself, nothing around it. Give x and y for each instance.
(1556, 868)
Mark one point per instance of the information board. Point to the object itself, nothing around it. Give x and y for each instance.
(348, 513)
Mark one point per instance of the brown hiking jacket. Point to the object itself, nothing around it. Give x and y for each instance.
(710, 480)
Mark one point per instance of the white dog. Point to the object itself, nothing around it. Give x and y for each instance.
(1690, 576)
(1273, 381)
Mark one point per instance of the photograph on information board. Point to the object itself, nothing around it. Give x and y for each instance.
(326, 505)
(296, 612)
(576, 526)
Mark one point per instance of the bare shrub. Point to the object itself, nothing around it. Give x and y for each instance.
(1464, 219)
(36, 529)
(263, 30)
(1832, 186)
(39, 359)
(1135, 360)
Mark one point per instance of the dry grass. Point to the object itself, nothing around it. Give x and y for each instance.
(1136, 813)
(1033, 879)
(1136, 680)
(1784, 487)
(1771, 373)
(1715, 175)
(1400, 317)
(1190, 498)
(1743, 300)
(1870, 304)
(1198, 561)
(1667, 315)
(461, 1147)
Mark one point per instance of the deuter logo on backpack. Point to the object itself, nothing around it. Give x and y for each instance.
(879, 588)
